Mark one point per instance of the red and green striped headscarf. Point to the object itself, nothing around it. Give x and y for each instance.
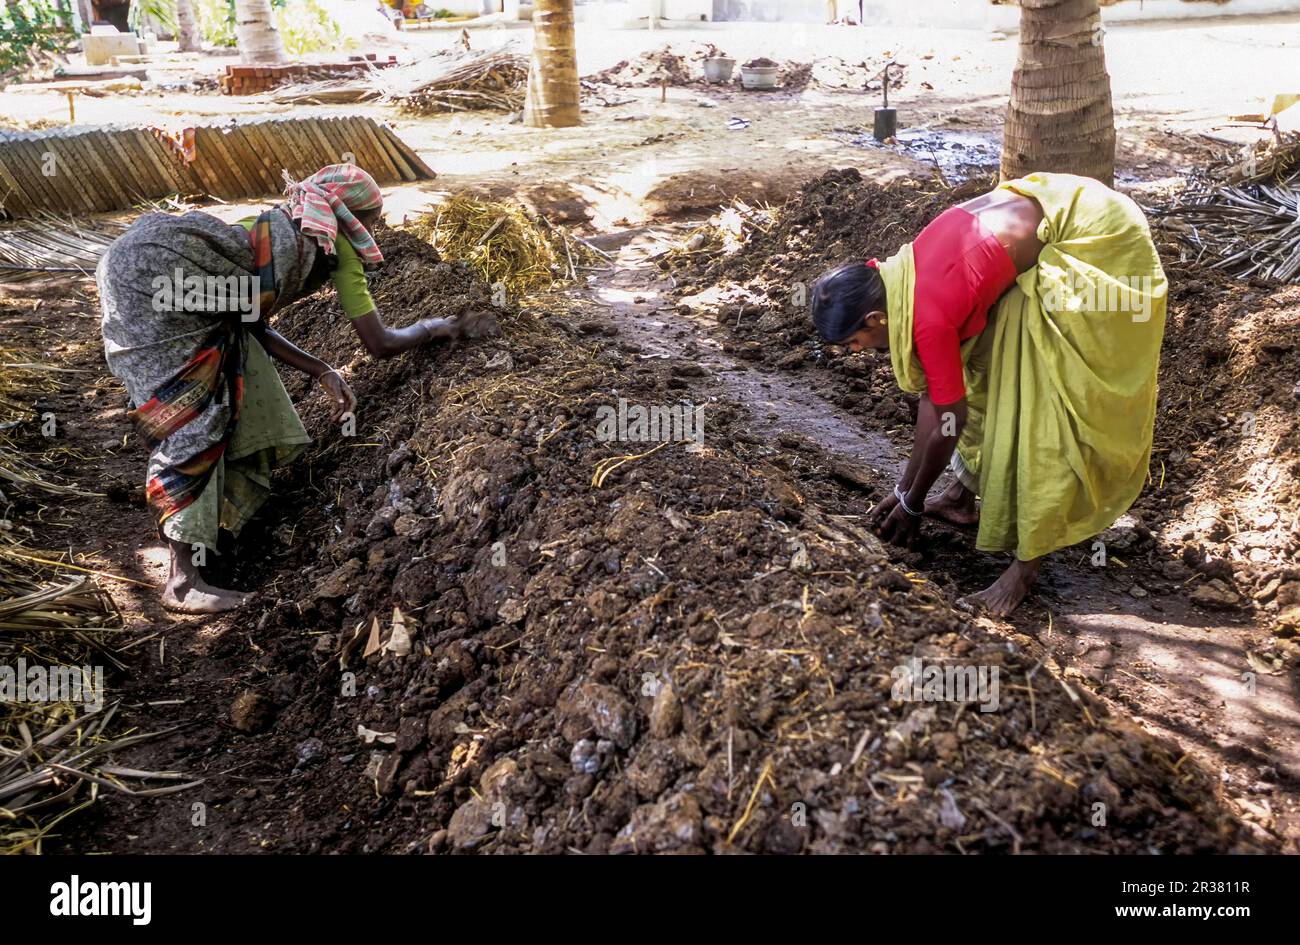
(326, 203)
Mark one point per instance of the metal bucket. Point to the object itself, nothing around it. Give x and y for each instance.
(759, 77)
(718, 69)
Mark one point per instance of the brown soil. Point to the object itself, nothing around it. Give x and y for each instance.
(694, 656)
(683, 66)
(1201, 576)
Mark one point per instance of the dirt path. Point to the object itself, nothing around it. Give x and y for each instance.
(1182, 671)
(634, 294)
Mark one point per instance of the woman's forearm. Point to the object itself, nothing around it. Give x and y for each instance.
(937, 431)
(398, 340)
(286, 352)
(384, 341)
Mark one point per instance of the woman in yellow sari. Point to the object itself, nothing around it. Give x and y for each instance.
(1029, 320)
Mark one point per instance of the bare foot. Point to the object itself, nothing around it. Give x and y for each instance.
(1005, 594)
(196, 596)
(955, 505)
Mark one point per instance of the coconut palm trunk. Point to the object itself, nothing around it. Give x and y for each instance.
(1060, 116)
(187, 27)
(255, 33)
(553, 75)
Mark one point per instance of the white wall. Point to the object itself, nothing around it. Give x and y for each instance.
(980, 14)
(459, 6)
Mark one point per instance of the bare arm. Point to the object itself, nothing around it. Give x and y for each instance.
(384, 341)
(937, 430)
(286, 352)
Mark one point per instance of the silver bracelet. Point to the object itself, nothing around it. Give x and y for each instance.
(902, 500)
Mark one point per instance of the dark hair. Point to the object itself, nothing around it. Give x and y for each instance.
(842, 297)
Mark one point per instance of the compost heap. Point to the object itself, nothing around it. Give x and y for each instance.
(679, 67)
(683, 66)
(466, 644)
(1220, 520)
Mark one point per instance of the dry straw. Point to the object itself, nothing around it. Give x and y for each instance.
(504, 243)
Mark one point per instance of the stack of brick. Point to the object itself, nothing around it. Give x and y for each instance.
(248, 80)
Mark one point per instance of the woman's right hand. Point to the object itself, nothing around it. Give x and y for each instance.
(341, 397)
(469, 325)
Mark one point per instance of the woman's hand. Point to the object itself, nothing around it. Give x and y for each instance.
(476, 325)
(341, 396)
(431, 329)
(881, 511)
(469, 325)
(895, 524)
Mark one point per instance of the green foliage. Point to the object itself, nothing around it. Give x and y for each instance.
(31, 27)
(216, 21)
(162, 12)
(305, 27)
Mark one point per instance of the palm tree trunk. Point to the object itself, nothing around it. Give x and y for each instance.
(187, 27)
(553, 75)
(255, 33)
(1060, 116)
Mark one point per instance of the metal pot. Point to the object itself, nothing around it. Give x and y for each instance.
(759, 77)
(718, 69)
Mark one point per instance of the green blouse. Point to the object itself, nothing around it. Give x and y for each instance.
(349, 277)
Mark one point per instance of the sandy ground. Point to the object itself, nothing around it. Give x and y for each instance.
(673, 157)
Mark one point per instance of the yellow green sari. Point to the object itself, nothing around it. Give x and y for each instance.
(1061, 385)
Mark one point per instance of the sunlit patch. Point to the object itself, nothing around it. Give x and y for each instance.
(154, 558)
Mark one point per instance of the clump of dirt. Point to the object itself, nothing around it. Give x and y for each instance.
(684, 66)
(490, 628)
(835, 72)
(414, 283)
(834, 217)
(681, 66)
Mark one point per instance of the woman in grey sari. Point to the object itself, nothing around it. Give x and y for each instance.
(185, 301)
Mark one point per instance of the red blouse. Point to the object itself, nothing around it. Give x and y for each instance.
(961, 272)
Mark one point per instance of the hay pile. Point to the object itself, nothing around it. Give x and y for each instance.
(503, 243)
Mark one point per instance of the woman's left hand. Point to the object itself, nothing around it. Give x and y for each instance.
(900, 528)
(341, 396)
(434, 328)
